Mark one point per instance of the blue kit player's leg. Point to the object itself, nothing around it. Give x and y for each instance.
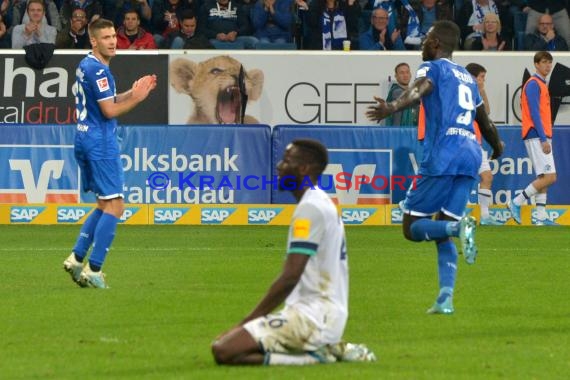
(86, 234)
(104, 235)
(447, 197)
(74, 263)
(447, 270)
(109, 177)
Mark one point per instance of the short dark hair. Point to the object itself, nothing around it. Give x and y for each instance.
(475, 69)
(132, 10)
(187, 14)
(313, 152)
(400, 65)
(447, 32)
(540, 55)
(100, 23)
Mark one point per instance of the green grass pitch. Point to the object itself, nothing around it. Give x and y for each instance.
(175, 288)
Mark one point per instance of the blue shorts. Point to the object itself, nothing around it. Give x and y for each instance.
(103, 177)
(448, 194)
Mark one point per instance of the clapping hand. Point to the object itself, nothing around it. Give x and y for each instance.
(143, 86)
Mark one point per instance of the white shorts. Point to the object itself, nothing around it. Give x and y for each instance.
(485, 166)
(542, 163)
(287, 331)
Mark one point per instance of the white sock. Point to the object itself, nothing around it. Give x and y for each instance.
(540, 200)
(485, 200)
(289, 359)
(525, 195)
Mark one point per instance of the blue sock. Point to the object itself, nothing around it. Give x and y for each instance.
(85, 237)
(104, 235)
(447, 268)
(427, 229)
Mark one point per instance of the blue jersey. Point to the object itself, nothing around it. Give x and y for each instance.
(450, 146)
(96, 135)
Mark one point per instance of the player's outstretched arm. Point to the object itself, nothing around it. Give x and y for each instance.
(489, 132)
(126, 101)
(411, 96)
(281, 287)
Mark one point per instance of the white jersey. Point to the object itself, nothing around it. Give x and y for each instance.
(322, 292)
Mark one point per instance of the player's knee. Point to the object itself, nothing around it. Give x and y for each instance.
(415, 232)
(552, 178)
(117, 208)
(408, 233)
(220, 353)
(119, 211)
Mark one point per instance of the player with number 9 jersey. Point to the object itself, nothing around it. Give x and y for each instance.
(450, 145)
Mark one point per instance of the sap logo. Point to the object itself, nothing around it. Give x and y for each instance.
(396, 215)
(24, 214)
(216, 215)
(71, 214)
(356, 215)
(36, 191)
(500, 215)
(551, 214)
(262, 215)
(168, 215)
(128, 213)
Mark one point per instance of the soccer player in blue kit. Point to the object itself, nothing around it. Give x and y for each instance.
(97, 150)
(451, 155)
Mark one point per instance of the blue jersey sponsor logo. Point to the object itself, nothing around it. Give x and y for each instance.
(168, 215)
(71, 214)
(215, 215)
(24, 214)
(262, 215)
(356, 215)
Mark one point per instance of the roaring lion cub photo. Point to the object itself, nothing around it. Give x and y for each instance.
(220, 89)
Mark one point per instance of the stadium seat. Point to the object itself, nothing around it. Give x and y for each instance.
(276, 46)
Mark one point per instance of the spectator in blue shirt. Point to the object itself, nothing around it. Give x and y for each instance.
(379, 36)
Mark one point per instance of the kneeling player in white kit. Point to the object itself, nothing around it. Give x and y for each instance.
(313, 283)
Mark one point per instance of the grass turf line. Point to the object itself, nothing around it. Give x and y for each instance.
(175, 288)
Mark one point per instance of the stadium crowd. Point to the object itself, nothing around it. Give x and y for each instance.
(485, 25)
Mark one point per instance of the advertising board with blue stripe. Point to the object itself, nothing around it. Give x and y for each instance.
(367, 166)
(197, 164)
(42, 172)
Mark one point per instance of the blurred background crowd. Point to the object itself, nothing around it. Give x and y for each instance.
(486, 25)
